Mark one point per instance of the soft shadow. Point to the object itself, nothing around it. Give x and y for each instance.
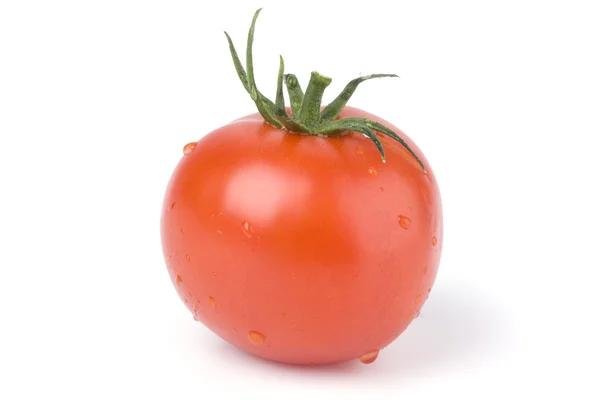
(227, 351)
(458, 327)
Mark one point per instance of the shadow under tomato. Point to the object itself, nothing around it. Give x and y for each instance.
(456, 327)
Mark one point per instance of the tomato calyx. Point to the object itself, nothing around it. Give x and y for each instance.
(306, 114)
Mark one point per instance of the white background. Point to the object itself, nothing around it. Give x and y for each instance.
(97, 99)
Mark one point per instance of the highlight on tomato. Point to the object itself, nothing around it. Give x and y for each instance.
(303, 233)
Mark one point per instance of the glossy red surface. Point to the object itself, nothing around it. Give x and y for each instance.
(302, 249)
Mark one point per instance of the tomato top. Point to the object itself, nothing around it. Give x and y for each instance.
(306, 115)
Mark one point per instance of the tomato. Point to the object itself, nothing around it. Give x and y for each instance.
(302, 249)
(299, 248)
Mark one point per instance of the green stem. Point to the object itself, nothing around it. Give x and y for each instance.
(237, 63)
(306, 113)
(371, 135)
(279, 100)
(295, 92)
(358, 124)
(265, 109)
(280, 113)
(336, 106)
(310, 110)
(242, 73)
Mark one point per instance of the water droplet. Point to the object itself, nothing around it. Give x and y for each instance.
(197, 307)
(181, 230)
(220, 232)
(247, 229)
(256, 337)
(404, 221)
(172, 206)
(372, 171)
(434, 241)
(178, 280)
(381, 188)
(418, 299)
(425, 270)
(212, 302)
(187, 257)
(215, 273)
(369, 357)
(283, 315)
(429, 291)
(410, 316)
(359, 150)
(188, 148)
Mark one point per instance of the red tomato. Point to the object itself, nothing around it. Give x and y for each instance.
(302, 249)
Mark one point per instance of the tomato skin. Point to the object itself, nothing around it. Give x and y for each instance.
(302, 249)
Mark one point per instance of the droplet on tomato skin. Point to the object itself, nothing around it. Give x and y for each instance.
(434, 241)
(197, 307)
(429, 291)
(187, 149)
(404, 221)
(220, 232)
(178, 281)
(410, 316)
(418, 299)
(372, 171)
(256, 338)
(382, 189)
(187, 257)
(212, 302)
(359, 150)
(172, 206)
(247, 229)
(369, 357)
(425, 270)
(181, 231)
